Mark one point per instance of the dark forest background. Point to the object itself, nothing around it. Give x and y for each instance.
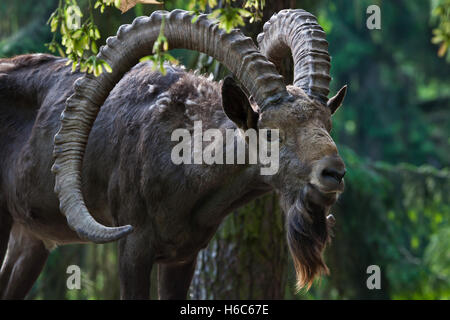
(393, 133)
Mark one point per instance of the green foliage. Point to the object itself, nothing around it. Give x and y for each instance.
(22, 27)
(79, 45)
(102, 4)
(416, 226)
(395, 122)
(200, 6)
(229, 17)
(160, 55)
(441, 13)
(78, 38)
(256, 9)
(398, 88)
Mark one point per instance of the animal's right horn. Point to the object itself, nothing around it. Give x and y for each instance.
(237, 52)
(298, 32)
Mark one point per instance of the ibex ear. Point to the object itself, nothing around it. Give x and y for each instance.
(336, 101)
(237, 106)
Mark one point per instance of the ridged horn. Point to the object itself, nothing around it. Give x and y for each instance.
(299, 33)
(237, 52)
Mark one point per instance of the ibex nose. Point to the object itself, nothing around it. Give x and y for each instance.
(334, 173)
(330, 173)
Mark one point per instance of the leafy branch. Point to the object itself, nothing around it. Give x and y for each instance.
(78, 36)
(160, 48)
(229, 17)
(78, 39)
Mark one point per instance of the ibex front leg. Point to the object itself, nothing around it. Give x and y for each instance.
(174, 279)
(136, 260)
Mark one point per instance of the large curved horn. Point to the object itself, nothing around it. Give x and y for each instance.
(298, 31)
(237, 52)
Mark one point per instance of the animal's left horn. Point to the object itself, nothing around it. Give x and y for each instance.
(299, 33)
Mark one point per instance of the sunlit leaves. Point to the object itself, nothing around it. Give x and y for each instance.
(92, 65)
(160, 55)
(255, 7)
(437, 254)
(229, 17)
(199, 6)
(441, 34)
(102, 4)
(78, 38)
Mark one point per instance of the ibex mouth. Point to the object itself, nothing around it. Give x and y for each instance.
(317, 197)
(309, 227)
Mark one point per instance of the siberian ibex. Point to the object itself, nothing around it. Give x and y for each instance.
(123, 176)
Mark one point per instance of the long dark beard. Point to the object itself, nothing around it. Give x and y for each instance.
(308, 233)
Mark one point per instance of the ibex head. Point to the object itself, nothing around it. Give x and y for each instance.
(310, 175)
(311, 172)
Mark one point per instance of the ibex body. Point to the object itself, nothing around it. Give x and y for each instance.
(127, 176)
